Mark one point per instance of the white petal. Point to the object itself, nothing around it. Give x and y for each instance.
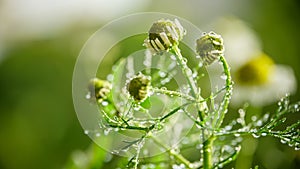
(158, 43)
(164, 37)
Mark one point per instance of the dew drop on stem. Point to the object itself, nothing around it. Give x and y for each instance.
(237, 135)
(223, 76)
(263, 134)
(255, 135)
(104, 103)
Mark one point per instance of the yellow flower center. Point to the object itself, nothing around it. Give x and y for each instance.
(256, 72)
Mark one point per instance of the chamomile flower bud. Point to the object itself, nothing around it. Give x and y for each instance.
(138, 87)
(210, 47)
(98, 89)
(164, 34)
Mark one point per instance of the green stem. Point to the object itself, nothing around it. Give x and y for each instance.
(207, 153)
(172, 93)
(177, 156)
(202, 107)
(220, 114)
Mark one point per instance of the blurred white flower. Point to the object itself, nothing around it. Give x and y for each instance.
(257, 79)
(260, 81)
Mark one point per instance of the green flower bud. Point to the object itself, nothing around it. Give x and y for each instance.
(210, 47)
(138, 87)
(164, 34)
(98, 89)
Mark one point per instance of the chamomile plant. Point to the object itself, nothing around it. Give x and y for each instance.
(154, 102)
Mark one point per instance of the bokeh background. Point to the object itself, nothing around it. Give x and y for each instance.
(39, 44)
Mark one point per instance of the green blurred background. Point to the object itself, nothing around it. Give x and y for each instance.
(39, 44)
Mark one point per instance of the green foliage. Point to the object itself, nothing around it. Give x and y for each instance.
(129, 110)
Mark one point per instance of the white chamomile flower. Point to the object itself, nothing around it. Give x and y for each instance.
(260, 81)
(257, 79)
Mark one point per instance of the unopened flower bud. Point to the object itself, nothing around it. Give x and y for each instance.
(138, 87)
(98, 89)
(210, 47)
(164, 34)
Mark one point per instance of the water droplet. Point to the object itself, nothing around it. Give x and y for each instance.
(184, 60)
(220, 165)
(283, 141)
(108, 157)
(259, 123)
(173, 57)
(239, 120)
(199, 146)
(110, 77)
(255, 135)
(162, 74)
(88, 96)
(297, 148)
(237, 135)
(106, 131)
(195, 74)
(104, 103)
(263, 134)
(266, 117)
(223, 76)
(97, 134)
(253, 118)
(189, 72)
(200, 64)
(242, 112)
(86, 132)
(228, 127)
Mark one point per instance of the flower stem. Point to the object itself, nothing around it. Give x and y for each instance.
(172, 93)
(207, 153)
(202, 107)
(227, 96)
(177, 156)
